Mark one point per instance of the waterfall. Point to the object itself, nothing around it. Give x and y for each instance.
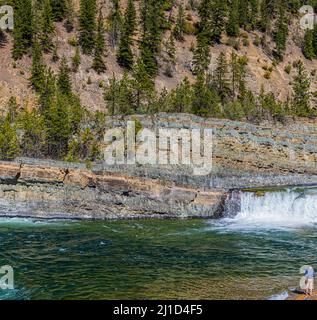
(289, 207)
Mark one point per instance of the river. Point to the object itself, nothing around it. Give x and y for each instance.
(254, 255)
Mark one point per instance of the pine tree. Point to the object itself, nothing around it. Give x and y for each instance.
(34, 133)
(48, 91)
(125, 55)
(47, 26)
(233, 21)
(201, 55)
(69, 23)
(55, 56)
(302, 95)
(281, 33)
(59, 9)
(38, 69)
(308, 45)
(63, 81)
(205, 99)
(76, 60)
(220, 79)
(115, 23)
(87, 25)
(153, 18)
(181, 97)
(9, 143)
(143, 86)
(98, 63)
(219, 13)
(179, 29)
(23, 30)
(58, 126)
(170, 56)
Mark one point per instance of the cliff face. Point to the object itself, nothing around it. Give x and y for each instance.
(244, 155)
(61, 192)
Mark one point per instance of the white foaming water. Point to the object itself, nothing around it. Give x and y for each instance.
(289, 208)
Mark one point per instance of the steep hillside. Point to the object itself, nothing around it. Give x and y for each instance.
(67, 64)
(14, 75)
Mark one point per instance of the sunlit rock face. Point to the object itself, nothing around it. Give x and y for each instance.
(57, 192)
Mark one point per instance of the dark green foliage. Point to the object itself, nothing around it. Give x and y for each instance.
(179, 29)
(9, 143)
(233, 21)
(308, 45)
(115, 23)
(201, 55)
(63, 82)
(302, 95)
(153, 20)
(23, 29)
(59, 9)
(38, 70)
(87, 25)
(221, 78)
(47, 26)
(76, 60)
(281, 33)
(98, 63)
(125, 55)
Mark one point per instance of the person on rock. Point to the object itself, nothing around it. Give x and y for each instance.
(310, 276)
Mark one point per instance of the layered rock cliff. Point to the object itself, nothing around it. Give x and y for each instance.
(244, 156)
(62, 191)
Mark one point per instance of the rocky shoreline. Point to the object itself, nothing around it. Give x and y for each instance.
(244, 156)
(58, 192)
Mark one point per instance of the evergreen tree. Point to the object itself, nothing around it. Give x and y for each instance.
(308, 45)
(55, 56)
(23, 30)
(38, 69)
(58, 126)
(181, 98)
(69, 23)
(302, 95)
(180, 25)
(170, 56)
(48, 91)
(220, 79)
(153, 18)
(47, 26)
(115, 23)
(233, 21)
(142, 85)
(76, 60)
(205, 99)
(125, 55)
(87, 25)
(219, 13)
(201, 55)
(281, 33)
(63, 81)
(34, 133)
(59, 9)
(9, 143)
(98, 63)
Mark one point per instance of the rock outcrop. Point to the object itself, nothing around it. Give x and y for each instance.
(60, 192)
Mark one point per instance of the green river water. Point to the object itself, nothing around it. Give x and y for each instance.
(152, 259)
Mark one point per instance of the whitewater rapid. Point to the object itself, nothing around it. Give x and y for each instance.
(285, 208)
